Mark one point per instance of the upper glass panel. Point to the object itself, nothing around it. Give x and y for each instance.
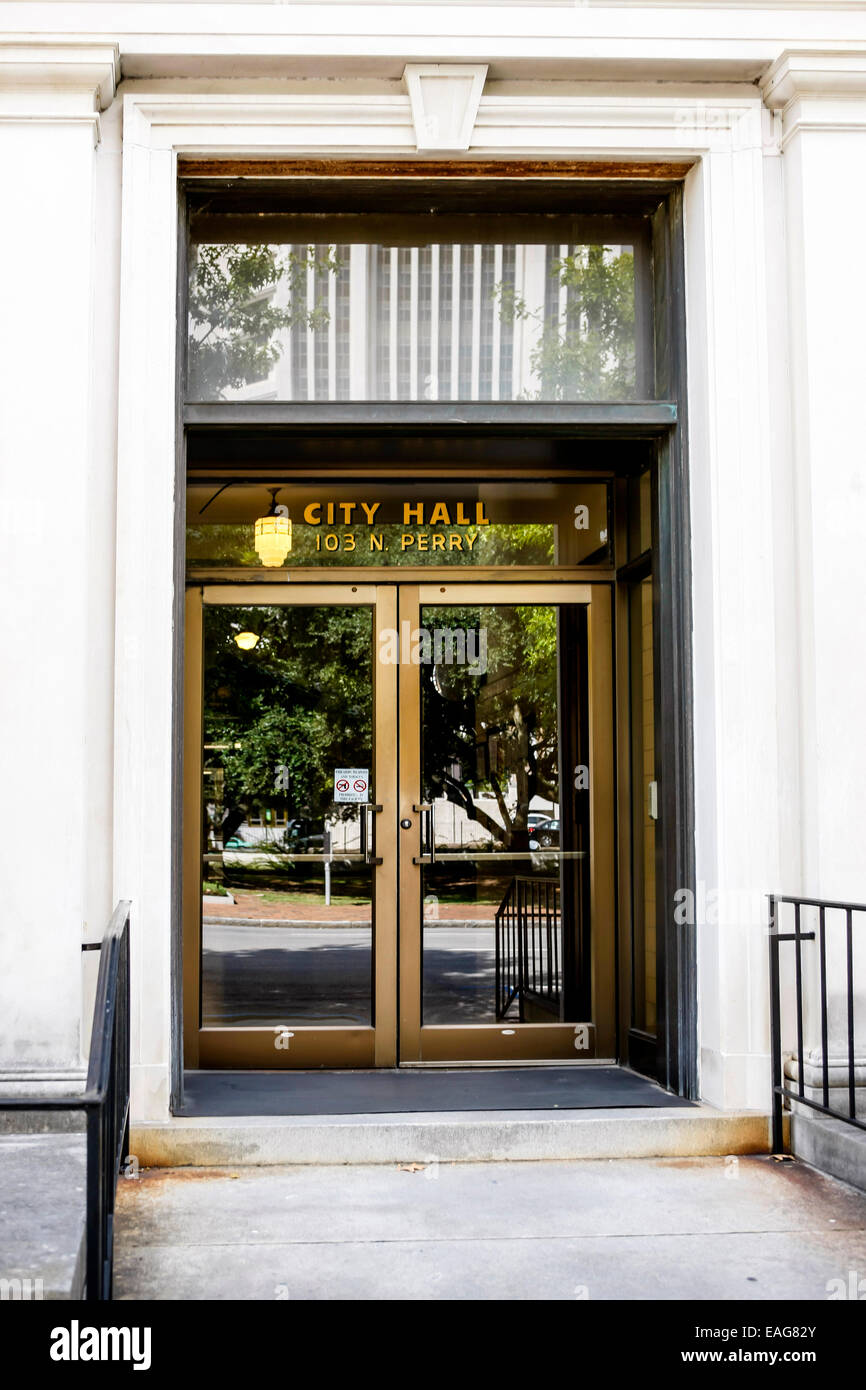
(418, 308)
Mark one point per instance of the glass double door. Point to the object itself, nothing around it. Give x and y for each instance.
(398, 824)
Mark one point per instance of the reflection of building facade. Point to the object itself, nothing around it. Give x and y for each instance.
(435, 322)
(699, 648)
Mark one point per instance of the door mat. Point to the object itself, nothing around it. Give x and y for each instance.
(415, 1090)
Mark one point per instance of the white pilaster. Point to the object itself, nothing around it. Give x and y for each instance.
(731, 459)
(821, 100)
(57, 546)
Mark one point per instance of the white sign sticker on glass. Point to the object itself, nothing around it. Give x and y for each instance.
(351, 783)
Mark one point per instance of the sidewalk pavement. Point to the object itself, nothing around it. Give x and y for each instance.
(747, 1228)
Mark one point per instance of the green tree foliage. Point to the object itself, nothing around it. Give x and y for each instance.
(480, 731)
(289, 711)
(514, 543)
(589, 354)
(237, 311)
(301, 701)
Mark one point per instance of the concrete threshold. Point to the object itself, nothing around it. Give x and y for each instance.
(449, 1137)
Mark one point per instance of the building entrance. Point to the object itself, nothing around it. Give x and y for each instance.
(438, 399)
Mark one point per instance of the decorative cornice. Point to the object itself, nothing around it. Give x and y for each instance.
(823, 73)
(659, 124)
(82, 67)
(57, 83)
(817, 90)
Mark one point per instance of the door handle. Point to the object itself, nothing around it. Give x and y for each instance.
(428, 840)
(368, 810)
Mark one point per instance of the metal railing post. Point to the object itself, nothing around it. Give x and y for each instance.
(778, 1137)
(781, 1091)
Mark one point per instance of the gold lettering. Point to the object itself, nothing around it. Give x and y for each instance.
(348, 508)
(455, 542)
(462, 519)
(423, 542)
(438, 542)
(480, 518)
(406, 540)
(411, 514)
(370, 511)
(311, 514)
(348, 541)
(471, 538)
(439, 515)
(376, 541)
(330, 513)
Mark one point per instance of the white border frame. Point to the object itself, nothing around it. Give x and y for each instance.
(736, 462)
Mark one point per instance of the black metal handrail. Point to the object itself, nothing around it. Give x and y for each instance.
(105, 1101)
(527, 947)
(781, 1092)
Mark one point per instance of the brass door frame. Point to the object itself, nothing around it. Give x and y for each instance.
(310, 1046)
(483, 1042)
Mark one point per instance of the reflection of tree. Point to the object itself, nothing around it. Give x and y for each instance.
(240, 299)
(301, 700)
(588, 352)
(482, 730)
(509, 543)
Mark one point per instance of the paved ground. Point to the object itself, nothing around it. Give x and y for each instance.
(739, 1229)
(42, 1179)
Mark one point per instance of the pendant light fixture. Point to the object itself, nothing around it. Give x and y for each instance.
(273, 534)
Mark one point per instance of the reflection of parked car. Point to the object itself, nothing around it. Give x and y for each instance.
(235, 842)
(299, 835)
(545, 835)
(536, 818)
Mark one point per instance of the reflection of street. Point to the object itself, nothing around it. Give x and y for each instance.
(294, 974)
(459, 984)
(260, 975)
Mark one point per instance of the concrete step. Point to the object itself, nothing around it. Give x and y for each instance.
(831, 1145)
(449, 1137)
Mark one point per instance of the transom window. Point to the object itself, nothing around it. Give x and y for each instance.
(414, 308)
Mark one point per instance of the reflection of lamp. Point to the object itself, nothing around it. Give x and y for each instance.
(273, 534)
(246, 640)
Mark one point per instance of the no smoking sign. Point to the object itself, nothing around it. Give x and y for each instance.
(351, 784)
